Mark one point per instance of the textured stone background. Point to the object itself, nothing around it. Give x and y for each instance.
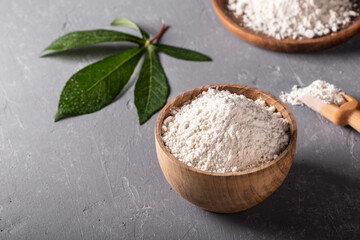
(97, 176)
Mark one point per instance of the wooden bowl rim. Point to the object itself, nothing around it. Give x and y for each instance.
(354, 25)
(160, 142)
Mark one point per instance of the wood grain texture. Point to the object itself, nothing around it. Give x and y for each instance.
(285, 45)
(226, 192)
(346, 114)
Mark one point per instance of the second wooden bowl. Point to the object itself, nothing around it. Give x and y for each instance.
(285, 45)
(225, 192)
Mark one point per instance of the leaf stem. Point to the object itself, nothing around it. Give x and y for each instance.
(159, 33)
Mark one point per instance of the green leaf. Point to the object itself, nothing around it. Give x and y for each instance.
(85, 38)
(124, 22)
(181, 53)
(98, 84)
(151, 89)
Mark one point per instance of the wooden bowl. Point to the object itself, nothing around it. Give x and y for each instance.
(285, 45)
(225, 192)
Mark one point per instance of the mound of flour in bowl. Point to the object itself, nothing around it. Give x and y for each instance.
(223, 132)
(294, 18)
(319, 89)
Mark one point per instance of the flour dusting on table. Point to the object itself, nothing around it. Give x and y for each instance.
(319, 89)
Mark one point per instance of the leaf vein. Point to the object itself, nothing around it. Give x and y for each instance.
(150, 80)
(101, 79)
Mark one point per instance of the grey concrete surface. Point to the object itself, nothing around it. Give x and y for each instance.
(97, 176)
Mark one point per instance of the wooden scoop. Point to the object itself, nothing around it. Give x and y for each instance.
(346, 114)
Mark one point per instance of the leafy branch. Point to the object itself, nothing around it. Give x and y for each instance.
(98, 84)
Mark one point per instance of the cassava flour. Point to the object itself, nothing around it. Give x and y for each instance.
(223, 132)
(294, 18)
(319, 89)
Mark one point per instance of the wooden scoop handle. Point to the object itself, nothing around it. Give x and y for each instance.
(354, 120)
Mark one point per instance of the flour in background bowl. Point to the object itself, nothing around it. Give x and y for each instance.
(219, 131)
(294, 18)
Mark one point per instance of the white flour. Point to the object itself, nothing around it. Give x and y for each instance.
(223, 132)
(322, 90)
(294, 18)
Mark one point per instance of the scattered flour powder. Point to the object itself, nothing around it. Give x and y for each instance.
(319, 89)
(223, 132)
(294, 18)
